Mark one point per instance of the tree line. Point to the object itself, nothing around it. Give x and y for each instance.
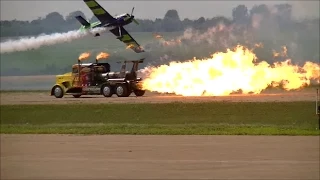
(171, 22)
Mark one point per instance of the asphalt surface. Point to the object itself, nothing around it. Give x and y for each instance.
(159, 157)
(151, 97)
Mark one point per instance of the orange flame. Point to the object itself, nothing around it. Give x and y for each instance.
(172, 42)
(84, 56)
(312, 71)
(158, 36)
(102, 55)
(283, 53)
(228, 72)
(129, 46)
(164, 42)
(259, 45)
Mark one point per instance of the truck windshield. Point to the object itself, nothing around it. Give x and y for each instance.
(75, 70)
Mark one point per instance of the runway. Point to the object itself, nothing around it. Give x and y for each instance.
(159, 157)
(45, 82)
(151, 97)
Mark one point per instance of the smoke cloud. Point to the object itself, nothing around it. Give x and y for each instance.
(26, 44)
(269, 26)
(197, 43)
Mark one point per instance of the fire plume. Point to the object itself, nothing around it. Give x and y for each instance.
(164, 42)
(258, 45)
(228, 72)
(157, 36)
(283, 53)
(129, 46)
(84, 56)
(102, 55)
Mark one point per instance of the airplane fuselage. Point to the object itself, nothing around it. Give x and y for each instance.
(120, 21)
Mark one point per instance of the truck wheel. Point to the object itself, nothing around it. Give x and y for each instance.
(106, 91)
(58, 92)
(122, 90)
(139, 92)
(77, 96)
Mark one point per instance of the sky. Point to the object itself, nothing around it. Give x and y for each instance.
(30, 10)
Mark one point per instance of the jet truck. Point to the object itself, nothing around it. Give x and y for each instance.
(97, 79)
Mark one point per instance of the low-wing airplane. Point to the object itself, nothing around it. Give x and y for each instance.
(116, 23)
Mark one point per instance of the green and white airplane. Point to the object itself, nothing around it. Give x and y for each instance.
(115, 23)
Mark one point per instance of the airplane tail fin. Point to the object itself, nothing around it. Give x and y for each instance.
(83, 21)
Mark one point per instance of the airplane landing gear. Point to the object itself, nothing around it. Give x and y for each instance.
(120, 34)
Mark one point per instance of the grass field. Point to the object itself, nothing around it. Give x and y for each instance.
(245, 118)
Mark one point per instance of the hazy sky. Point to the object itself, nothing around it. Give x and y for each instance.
(29, 10)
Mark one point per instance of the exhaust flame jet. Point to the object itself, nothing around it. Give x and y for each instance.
(108, 21)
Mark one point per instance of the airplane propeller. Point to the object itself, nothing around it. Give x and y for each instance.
(133, 19)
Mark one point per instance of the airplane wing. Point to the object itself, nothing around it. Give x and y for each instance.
(99, 11)
(127, 39)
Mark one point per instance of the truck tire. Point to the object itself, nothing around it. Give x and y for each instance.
(58, 92)
(106, 91)
(138, 92)
(122, 90)
(77, 96)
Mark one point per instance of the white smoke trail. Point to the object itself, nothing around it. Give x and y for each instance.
(26, 44)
